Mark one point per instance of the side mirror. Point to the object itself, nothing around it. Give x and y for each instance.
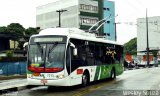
(75, 51)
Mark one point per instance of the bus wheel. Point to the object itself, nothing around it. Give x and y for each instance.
(84, 80)
(113, 74)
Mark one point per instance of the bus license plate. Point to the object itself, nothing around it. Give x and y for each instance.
(43, 81)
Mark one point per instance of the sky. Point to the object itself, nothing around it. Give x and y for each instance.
(24, 12)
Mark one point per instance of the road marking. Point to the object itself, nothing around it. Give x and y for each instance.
(94, 87)
(98, 86)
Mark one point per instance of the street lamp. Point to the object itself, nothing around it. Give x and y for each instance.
(60, 12)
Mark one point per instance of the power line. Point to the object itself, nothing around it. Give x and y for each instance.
(140, 11)
(140, 3)
(137, 11)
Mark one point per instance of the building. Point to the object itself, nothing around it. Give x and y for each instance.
(4, 42)
(153, 36)
(109, 27)
(153, 33)
(78, 13)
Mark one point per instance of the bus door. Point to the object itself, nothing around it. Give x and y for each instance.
(73, 63)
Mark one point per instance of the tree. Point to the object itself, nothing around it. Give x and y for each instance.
(16, 29)
(17, 32)
(131, 47)
(31, 31)
(3, 29)
(155, 53)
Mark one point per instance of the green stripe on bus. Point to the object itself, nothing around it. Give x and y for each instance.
(97, 73)
(104, 72)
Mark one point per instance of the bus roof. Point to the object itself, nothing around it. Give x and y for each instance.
(75, 33)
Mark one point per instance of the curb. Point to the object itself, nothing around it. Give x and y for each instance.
(13, 86)
(12, 77)
(7, 91)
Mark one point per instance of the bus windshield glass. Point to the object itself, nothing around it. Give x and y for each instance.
(46, 54)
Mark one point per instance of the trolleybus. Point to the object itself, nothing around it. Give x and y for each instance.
(70, 56)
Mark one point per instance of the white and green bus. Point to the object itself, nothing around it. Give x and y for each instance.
(70, 56)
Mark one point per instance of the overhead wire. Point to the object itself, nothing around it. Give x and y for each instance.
(136, 9)
(153, 22)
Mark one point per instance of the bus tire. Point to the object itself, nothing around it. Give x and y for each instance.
(113, 74)
(85, 79)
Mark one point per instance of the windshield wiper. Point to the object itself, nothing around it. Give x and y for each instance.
(39, 47)
(52, 48)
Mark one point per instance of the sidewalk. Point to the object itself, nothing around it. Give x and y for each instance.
(14, 81)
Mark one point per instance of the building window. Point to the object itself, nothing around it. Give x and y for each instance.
(88, 21)
(108, 9)
(108, 22)
(89, 8)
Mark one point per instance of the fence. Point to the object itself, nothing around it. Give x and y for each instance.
(11, 68)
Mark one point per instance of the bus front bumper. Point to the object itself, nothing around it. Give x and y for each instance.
(49, 82)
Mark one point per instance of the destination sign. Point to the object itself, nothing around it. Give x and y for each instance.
(48, 39)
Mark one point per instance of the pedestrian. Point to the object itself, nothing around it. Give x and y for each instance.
(25, 48)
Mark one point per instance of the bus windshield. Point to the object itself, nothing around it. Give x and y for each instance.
(46, 56)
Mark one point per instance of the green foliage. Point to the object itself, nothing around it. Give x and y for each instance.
(9, 53)
(155, 53)
(30, 31)
(131, 47)
(3, 29)
(17, 29)
(17, 32)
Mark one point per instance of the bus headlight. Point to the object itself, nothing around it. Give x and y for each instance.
(60, 76)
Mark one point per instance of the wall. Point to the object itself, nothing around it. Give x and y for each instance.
(11, 68)
(47, 16)
(109, 9)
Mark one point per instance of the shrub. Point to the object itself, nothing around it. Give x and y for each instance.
(13, 59)
(9, 53)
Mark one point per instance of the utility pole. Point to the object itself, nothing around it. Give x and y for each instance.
(60, 12)
(147, 39)
(115, 26)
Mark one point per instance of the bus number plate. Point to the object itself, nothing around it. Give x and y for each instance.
(43, 81)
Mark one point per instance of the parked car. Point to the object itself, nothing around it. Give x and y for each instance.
(142, 64)
(131, 64)
(158, 60)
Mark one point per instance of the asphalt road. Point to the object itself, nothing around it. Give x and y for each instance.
(140, 82)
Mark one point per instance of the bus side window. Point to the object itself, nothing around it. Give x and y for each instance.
(98, 54)
(91, 54)
(119, 55)
(108, 59)
(83, 58)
